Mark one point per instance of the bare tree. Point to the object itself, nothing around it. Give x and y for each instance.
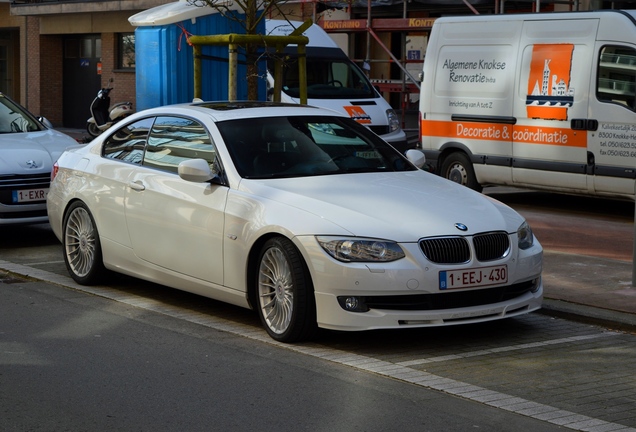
(253, 13)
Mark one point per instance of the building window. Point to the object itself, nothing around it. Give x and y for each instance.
(126, 42)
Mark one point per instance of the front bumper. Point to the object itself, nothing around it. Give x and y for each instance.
(332, 316)
(415, 279)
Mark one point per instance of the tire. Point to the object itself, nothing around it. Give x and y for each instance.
(92, 129)
(82, 248)
(285, 295)
(458, 168)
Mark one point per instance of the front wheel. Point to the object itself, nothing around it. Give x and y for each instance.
(458, 168)
(92, 129)
(82, 248)
(285, 293)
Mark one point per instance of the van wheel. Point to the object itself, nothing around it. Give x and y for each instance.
(458, 168)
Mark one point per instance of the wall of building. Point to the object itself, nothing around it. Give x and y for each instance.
(43, 50)
(13, 25)
(42, 28)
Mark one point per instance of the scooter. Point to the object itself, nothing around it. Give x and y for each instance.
(103, 115)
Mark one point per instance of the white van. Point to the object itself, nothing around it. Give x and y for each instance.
(544, 101)
(335, 82)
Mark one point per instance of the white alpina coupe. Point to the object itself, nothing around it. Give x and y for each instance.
(297, 212)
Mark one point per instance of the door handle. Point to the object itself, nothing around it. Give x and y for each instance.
(584, 124)
(137, 185)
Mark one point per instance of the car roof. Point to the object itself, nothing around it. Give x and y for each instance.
(226, 110)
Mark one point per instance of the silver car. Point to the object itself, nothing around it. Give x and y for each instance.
(28, 149)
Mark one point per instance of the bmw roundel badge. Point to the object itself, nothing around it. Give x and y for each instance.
(461, 227)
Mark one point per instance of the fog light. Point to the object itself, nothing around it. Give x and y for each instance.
(353, 304)
(536, 284)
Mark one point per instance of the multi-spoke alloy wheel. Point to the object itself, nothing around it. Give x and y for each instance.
(285, 295)
(82, 250)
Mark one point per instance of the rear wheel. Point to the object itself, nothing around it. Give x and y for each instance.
(458, 168)
(82, 249)
(285, 293)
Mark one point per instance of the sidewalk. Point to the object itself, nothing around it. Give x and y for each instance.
(589, 288)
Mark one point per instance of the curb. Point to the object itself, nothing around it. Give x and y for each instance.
(588, 314)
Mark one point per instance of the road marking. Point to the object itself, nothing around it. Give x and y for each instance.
(400, 371)
(505, 349)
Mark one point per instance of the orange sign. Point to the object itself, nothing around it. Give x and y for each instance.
(549, 92)
(358, 114)
(504, 132)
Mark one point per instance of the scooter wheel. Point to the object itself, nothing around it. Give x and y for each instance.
(92, 129)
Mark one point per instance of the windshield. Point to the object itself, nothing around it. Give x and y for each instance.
(327, 78)
(14, 119)
(307, 146)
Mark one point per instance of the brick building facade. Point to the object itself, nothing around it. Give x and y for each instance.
(50, 80)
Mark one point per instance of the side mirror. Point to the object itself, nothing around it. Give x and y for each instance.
(195, 170)
(416, 157)
(45, 122)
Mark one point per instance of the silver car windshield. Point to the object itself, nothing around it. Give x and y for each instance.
(307, 146)
(14, 119)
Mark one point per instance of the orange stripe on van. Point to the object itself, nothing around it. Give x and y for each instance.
(503, 132)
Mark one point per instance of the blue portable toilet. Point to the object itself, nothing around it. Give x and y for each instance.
(164, 59)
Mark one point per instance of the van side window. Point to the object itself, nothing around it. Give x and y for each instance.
(128, 143)
(617, 76)
(175, 139)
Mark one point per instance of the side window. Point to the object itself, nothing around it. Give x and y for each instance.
(128, 143)
(175, 139)
(617, 76)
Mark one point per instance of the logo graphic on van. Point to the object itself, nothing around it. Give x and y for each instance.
(549, 91)
(358, 114)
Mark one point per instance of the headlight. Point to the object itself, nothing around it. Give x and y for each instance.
(394, 121)
(352, 249)
(525, 236)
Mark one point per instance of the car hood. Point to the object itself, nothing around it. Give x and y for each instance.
(32, 152)
(401, 206)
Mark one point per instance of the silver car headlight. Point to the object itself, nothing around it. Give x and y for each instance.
(394, 121)
(525, 236)
(353, 249)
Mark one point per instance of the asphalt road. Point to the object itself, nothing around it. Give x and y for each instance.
(135, 356)
(77, 362)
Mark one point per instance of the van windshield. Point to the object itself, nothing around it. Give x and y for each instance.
(327, 78)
